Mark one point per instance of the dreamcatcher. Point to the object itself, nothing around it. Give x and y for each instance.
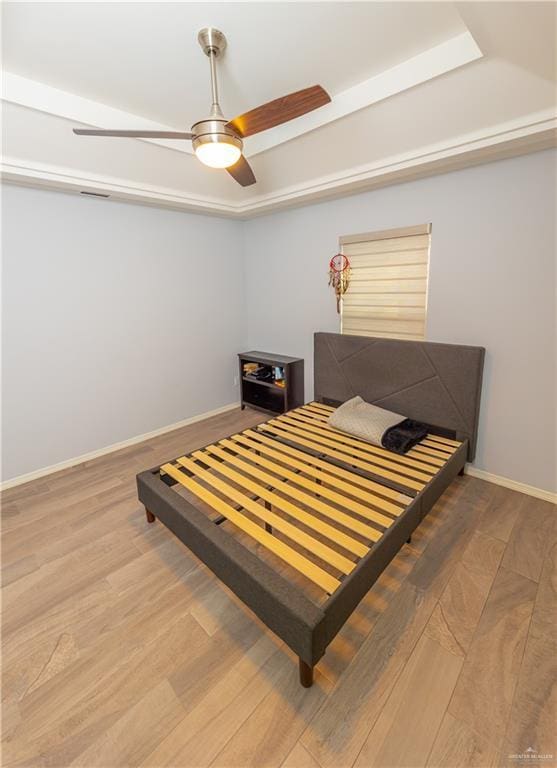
(339, 275)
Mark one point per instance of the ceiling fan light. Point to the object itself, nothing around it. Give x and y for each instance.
(218, 151)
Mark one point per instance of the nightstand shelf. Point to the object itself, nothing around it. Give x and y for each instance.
(259, 373)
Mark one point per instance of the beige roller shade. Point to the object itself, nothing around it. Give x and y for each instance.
(387, 295)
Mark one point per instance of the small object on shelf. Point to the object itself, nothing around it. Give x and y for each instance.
(271, 383)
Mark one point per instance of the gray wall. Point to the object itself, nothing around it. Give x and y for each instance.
(117, 319)
(120, 319)
(492, 283)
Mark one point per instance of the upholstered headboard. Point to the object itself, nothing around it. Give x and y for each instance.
(439, 384)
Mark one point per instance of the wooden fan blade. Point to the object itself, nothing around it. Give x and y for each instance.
(241, 171)
(279, 111)
(134, 134)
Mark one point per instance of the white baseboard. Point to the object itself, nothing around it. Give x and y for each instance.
(20, 479)
(481, 474)
(506, 482)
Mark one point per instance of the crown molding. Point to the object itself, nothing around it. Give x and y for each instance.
(529, 134)
(36, 174)
(452, 53)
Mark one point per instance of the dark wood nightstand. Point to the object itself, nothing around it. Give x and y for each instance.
(271, 383)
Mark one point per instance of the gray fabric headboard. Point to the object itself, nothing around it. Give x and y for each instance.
(439, 384)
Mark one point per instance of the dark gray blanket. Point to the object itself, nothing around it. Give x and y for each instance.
(404, 436)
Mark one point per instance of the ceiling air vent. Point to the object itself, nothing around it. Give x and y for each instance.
(93, 194)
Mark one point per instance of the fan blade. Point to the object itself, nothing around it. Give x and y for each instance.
(241, 171)
(134, 134)
(279, 111)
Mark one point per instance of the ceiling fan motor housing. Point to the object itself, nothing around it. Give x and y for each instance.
(214, 129)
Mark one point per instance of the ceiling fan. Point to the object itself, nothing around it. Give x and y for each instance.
(218, 142)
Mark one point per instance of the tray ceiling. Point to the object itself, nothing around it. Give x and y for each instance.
(412, 84)
(144, 58)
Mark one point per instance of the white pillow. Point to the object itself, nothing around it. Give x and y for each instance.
(364, 420)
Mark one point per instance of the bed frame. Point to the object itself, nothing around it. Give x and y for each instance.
(332, 509)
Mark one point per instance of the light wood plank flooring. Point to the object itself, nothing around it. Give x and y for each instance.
(121, 649)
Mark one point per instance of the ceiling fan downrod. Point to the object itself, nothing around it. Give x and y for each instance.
(214, 142)
(213, 43)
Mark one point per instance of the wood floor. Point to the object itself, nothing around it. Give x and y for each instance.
(121, 649)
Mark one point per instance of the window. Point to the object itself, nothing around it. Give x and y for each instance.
(387, 295)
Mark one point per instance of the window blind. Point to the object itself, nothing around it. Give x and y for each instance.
(387, 295)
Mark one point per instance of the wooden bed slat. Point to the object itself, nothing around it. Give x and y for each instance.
(322, 407)
(336, 440)
(424, 446)
(317, 415)
(382, 467)
(347, 459)
(366, 483)
(363, 529)
(288, 457)
(436, 442)
(412, 457)
(310, 485)
(395, 460)
(445, 440)
(328, 555)
(445, 450)
(270, 542)
(306, 518)
(264, 463)
(431, 456)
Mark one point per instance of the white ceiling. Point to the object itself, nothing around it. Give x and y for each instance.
(410, 89)
(144, 57)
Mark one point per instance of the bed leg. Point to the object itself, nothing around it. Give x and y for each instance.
(150, 516)
(409, 539)
(461, 472)
(306, 674)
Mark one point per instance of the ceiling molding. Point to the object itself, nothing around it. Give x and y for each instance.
(427, 65)
(56, 177)
(531, 133)
(440, 59)
(53, 101)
